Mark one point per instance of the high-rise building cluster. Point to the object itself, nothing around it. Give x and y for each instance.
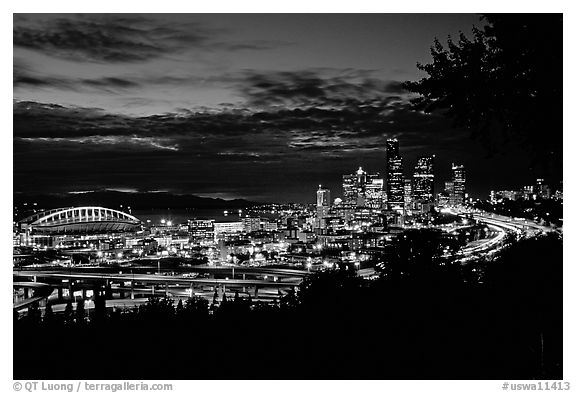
(372, 199)
(394, 175)
(542, 190)
(363, 189)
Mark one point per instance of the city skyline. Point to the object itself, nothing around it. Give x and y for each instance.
(232, 106)
(243, 188)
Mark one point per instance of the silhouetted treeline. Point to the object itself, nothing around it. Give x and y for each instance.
(425, 321)
(503, 83)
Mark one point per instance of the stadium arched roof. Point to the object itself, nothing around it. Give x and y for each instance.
(85, 219)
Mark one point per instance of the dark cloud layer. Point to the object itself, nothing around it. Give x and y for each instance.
(24, 77)
(107, 40)
(310, 89)
(263, 155)
(256, 107)
(118, 38)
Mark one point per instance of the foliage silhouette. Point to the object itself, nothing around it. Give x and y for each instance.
(425, 322)
(504, 84)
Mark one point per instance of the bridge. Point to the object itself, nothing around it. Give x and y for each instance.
(40, 291)
(151, 284)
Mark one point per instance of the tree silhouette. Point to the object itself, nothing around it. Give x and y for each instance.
(196, 307)
(34, 314)
(69, 313)
(80, 312)
(180, 309)
(48, 315)
(504, 84)
(99, 306)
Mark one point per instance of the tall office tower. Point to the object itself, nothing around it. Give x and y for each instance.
(559, 193)
(449, 188)
(374, 191)
(408, 194)
(394, 175)
(322, 197)
(354, 188)
(348, 191)
(322, 206)
(459, 184)
(493, 196)
(542, 189)
(528, 192)
(423, 191)
(446, 197)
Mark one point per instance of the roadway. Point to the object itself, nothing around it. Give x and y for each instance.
(149, 278)
(501, 226)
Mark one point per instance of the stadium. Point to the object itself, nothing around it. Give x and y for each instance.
(80, 220)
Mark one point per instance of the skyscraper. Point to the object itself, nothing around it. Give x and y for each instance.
(322, 197)
(394, 175)
(322, 206)
(362, 189)
(408, 194)
(423, 190)
(374, 191)
(459, 184)
(354, 188)
(542, 189)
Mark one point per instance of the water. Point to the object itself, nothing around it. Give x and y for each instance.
(178, 216)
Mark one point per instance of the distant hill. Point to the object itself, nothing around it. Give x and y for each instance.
(113, 199)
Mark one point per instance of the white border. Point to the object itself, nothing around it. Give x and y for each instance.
(304, 6)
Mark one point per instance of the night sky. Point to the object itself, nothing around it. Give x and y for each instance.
(261, 107)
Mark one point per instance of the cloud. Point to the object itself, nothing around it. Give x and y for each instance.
(261, 154)
(230, 134)
(107, 39)
(118, 38)
(313, 88)
(26, 78)
(143, 142)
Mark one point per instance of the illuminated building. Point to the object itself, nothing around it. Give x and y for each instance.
(374, 191)
(408, 194)
(201, 230)
(354, 188)
(492, 196)
(542, 189)
(363, 190)
(459, 180)
(80, 220)
(322, 206)
(508, 194)
(322, 196)
(228, 227)
(394, 176)
(251, 224)
(423, 189)
(528, 192)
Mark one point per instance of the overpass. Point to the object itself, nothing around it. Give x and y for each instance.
(40, 291)
(132, 283)
(501, 225)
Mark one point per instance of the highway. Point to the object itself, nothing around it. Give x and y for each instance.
(501, 225)
(267, 283)
(41, 291)
(149, 278)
